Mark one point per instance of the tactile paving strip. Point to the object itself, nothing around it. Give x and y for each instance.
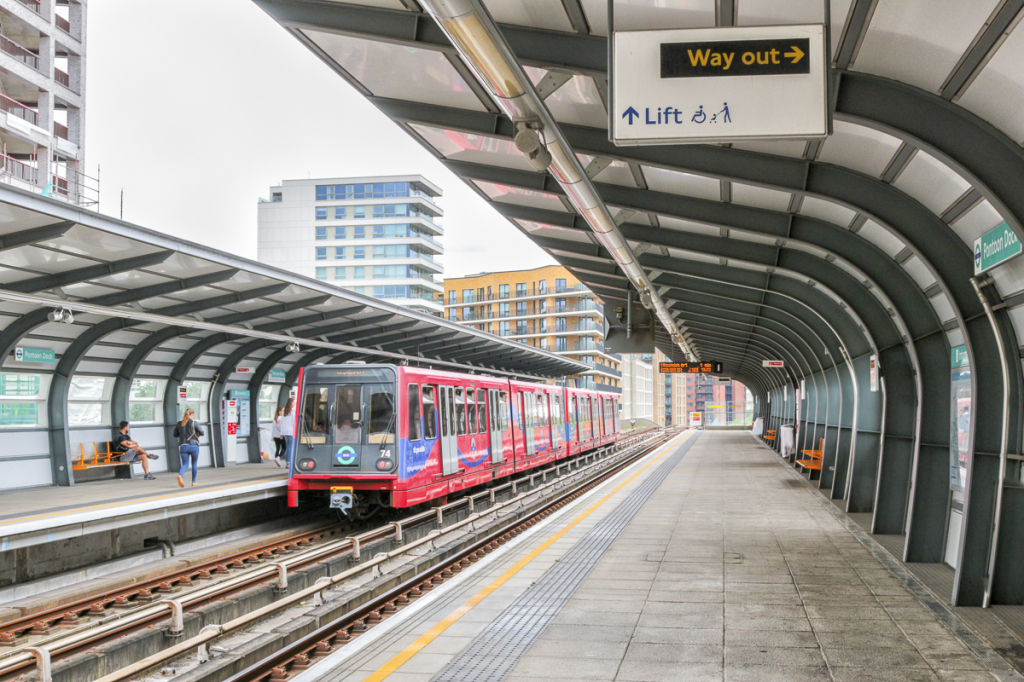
(495, 651)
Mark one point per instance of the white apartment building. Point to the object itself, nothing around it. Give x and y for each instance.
(42, 98)
(637, 387)
(377, 236)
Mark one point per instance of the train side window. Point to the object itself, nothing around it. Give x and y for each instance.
(314, 416)
(572, 412)
(460, 411)
(481, 401)
(503, 409)
(429, 413)
(545, 410)
(471, 410)
(414, 411)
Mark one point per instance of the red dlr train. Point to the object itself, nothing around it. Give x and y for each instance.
(380, 436)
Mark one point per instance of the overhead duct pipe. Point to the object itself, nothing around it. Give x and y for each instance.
(482, 47)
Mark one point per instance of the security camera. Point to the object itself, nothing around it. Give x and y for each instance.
(528, 141)
(293, 347)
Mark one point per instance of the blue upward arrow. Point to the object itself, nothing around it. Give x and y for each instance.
(631, 112)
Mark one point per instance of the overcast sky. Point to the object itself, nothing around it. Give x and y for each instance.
(195, 108)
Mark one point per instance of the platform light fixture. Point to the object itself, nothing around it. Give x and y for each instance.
(61, 315)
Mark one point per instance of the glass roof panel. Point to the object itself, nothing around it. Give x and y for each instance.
(827, 210)
(400, 71)
(919, 271)
(772, 12)
(617, 173)
(1009, 277)
(578, 102)
(460, 146)
(931, 182)
(132, 279)
(686, 184)
(920, 42)
(536, 13)
(881, 237)
(860, 148)
(760, 197)
(977, 222)
(689, 226)
(997, 94)
(42, 260)
(943, 308)
(637, 15)
(520, 197)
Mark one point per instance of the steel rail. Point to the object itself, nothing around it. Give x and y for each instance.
(599, 467)
(318, 644)
(14, 661)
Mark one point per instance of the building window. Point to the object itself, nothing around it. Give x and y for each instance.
(339, 212)
(21, 396)
(521, 309)
(321, 273)
(378, 272)
(321, 233)
(358, 212)
(339, 273)
(560, 305)
(560, 324)
(276, 197)
(321, 213)
(521, 289)
(360, 252)
(561, 343)
(542, 286)
(359, 290)
(321, 253)
(521, 327)
(359, 274)
(453, 314)
(144, 400)
(502, 291)
(89, 400)
(453, 297)
(503, 329)
(503, 310)
(339, 253)
(359, 232)
(559, 285)
(339, 232)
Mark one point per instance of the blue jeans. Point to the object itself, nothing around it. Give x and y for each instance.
(189, 452)
(289, 448)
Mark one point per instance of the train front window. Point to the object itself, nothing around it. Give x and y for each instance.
(380, 402)
(347, 425)
(314, 416)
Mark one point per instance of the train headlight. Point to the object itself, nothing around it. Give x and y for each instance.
(385, 464)
(307, 464)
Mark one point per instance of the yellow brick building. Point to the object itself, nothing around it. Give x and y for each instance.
(545, 308)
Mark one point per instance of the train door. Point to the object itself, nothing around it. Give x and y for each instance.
(573, 435)
(529, 408)
(449, 444)
(494, 415)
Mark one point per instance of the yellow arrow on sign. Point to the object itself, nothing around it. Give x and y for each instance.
(797, 54)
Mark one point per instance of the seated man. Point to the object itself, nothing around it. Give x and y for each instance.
(131, 451)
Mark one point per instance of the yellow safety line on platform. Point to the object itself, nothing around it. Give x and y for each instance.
(144, 499)
(401, 658)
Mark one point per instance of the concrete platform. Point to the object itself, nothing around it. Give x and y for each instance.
(42, 515)
(709, 560)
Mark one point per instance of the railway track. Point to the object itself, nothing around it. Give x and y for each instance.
(303, 653)
(104, 617)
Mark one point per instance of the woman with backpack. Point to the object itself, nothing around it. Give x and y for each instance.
(188, 433)
(275, 432)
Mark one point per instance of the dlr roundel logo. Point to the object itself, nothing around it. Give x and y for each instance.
(345, 456)
(977, 256)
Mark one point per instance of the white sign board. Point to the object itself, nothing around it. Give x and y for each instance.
(874, 373)
(723, 380)
(773, 363)
(719, 84)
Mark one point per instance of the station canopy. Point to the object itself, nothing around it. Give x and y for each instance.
(809, 252)
(145, 304)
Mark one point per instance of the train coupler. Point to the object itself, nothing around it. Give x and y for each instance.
(342, 498)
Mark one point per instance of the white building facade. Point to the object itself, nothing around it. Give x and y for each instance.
(42, 99)
(637, 387)
(377, 236)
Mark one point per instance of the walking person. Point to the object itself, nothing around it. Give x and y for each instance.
(280, 447)
(188, 433)
(288, 430)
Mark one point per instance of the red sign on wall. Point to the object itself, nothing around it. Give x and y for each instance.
(232, 429)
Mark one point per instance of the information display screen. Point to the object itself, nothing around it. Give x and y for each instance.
(690, 367)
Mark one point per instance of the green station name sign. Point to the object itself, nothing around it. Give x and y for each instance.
(46, 355)
(995, 247)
